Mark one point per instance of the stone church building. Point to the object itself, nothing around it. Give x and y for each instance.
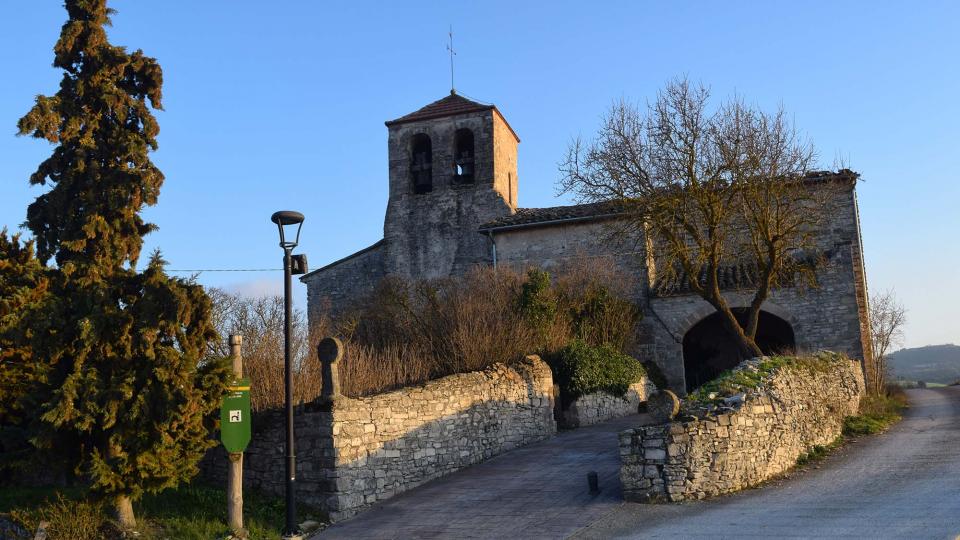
(453, 204)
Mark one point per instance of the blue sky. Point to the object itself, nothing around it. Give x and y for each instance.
(281, 105)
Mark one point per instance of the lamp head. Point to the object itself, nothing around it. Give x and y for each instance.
(287, 219)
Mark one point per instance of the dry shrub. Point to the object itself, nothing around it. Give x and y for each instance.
(365, 370)
(409, 332)
(439, 327)
(596, 297)
(260, 321)
(68, 519)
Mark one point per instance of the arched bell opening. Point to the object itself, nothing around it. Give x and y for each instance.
(421, 163)
(463, 162)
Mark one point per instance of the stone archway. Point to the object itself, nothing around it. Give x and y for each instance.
(708, 348)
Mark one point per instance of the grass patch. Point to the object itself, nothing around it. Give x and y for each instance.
(192, 512)
(818, 452)
(877, 413)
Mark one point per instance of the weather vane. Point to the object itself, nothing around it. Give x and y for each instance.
(453, 89)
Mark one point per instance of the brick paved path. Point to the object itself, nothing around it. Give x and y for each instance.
(538, 491)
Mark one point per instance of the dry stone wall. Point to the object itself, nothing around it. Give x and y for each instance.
(758, 438)
(601, 406)
(354, 452)
(392, 442)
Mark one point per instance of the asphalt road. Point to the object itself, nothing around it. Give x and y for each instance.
(902, 484)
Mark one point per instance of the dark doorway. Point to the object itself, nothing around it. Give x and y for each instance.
(709, 349)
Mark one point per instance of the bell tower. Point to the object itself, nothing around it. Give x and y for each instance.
(453, 167)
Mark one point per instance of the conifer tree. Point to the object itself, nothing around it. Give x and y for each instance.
(127, 381)
(24, 287)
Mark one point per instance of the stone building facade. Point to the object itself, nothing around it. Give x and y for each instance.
(453, 204)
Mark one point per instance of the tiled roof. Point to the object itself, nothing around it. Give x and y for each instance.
(448, 106)
(739, 276)
(731, 278)
(541, 216)
(842, 174)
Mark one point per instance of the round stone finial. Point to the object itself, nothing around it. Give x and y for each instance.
(663, 406)
(330, 350)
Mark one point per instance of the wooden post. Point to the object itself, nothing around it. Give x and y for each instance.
(235, 464)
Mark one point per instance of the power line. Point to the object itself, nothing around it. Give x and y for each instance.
(228, 270)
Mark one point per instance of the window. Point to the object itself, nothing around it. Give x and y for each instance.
(463, 157)
(421, 164)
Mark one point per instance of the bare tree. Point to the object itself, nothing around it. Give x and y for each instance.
(887, 319)
(260, 321)
(707, 189)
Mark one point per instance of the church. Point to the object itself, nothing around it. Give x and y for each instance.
(453, 188)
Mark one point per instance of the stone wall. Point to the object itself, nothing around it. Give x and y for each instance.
(354, 452)
(332, 287)
(601, 406)
(753, 440)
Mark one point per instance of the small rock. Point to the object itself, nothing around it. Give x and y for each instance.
(734, 400)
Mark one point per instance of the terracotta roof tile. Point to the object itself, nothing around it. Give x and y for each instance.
(451, 105)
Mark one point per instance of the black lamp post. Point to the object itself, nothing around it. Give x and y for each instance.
(292, 264)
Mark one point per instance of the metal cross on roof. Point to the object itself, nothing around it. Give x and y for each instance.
(453, 53)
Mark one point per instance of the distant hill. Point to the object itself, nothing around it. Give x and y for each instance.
(933, 363)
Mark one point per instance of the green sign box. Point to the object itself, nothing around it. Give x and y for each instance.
(235, 416)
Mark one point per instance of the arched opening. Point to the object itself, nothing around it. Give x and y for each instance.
(421, 163)
(463, 164)
(709, 349)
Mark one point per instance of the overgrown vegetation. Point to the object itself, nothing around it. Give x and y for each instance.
(751, 375)
(581, 369)
(191, 512)
(409, 332)
(877, 412)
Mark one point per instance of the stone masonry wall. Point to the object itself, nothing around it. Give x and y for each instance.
(832, 316)
(760, 438)
(601, 406)
(354, 452)
(435, 234)
(333, 287)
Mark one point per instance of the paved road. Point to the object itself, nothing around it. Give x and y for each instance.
(538, 491)
(903, 484)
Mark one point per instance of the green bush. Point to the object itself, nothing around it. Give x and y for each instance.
(537, 302)
(582, 369)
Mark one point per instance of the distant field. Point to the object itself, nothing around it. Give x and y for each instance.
(914, 384)
(932, 364)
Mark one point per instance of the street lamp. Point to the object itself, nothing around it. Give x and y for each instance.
(292, 264)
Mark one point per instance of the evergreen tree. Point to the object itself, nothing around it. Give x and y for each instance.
(127, 382)
(24, 287)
